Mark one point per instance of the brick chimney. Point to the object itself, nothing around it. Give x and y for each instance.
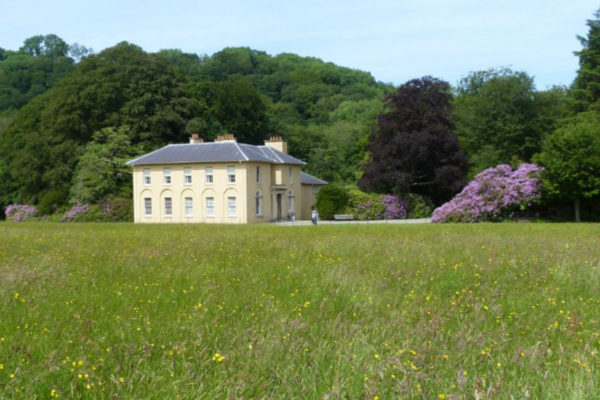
(226, 138)
(277, 143)
(195, 139)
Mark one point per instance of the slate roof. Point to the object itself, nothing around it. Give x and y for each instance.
(214, 152)
(307, 179)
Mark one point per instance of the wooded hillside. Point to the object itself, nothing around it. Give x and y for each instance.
(57, 114)
(70, 118)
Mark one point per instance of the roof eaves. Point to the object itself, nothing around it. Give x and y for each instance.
(131, 162)
(311, 180)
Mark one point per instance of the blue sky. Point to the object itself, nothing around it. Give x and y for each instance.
(394, 40)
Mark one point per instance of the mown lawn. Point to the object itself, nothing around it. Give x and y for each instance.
(122, 311)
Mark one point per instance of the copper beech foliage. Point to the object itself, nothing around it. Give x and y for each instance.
(414, 148)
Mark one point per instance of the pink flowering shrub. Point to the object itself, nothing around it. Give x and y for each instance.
(395, 207)
(19, 212)
(493, 191)
(75, 212)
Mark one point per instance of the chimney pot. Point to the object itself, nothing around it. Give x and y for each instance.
(195, 139)
(277, 143)
(225, 138)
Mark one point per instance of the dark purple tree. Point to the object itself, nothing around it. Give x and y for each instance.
(414, 148)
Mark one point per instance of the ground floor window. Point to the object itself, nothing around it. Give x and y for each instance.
(210, 206)
(231, 207)
(189, 207)
(258, 203)
(168, 206)
(147, 206)
(291, 201)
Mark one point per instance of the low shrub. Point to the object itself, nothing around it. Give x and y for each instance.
(52, 202)
(418, 206)
(20, 212)
(331, 199)
(492, 193)
(77, 212)
(395, 207)
(108, 210)
(365, 206)
(117, 209)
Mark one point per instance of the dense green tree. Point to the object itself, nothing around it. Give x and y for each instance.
(49, 46)
(121, 86)
(234, 107)
(571, 156)
(414, 148)
(79, 52)
(101, 170)
(586, 88)
(31, 71)
(308, 102)
(331, 199)
(188, 65)
(501, 118)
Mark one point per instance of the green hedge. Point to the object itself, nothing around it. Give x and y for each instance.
(331, 199)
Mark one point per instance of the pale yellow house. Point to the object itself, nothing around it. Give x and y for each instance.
(221, 182)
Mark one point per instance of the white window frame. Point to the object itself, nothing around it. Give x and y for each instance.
(189, 206)
(168, 206)
(187, 176)
(209, 175)
(231, 206)
(167, 176)
(258, 203)
(231, 174)
(210, 206)
(147, 206)
(147, 178)
(291, 176)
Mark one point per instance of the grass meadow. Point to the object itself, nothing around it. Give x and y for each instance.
(123, 311)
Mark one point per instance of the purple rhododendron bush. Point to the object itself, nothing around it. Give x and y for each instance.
(19, 212)
(492, 192)
(75, 212)
(395, 207)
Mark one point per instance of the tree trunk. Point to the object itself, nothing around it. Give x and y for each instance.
(577, 217)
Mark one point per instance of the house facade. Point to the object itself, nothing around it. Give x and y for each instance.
(221, 182)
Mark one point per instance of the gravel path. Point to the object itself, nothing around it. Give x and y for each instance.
(382, 221)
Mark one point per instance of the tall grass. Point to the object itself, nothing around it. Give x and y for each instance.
(319, 312)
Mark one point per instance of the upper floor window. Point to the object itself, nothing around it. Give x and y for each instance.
(231, 174)
(147, 176)
(187, 175)
(291, 174)
(167, 176)
(257, 174)
(209, 175)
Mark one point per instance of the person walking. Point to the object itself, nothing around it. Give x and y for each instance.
(315, 216)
